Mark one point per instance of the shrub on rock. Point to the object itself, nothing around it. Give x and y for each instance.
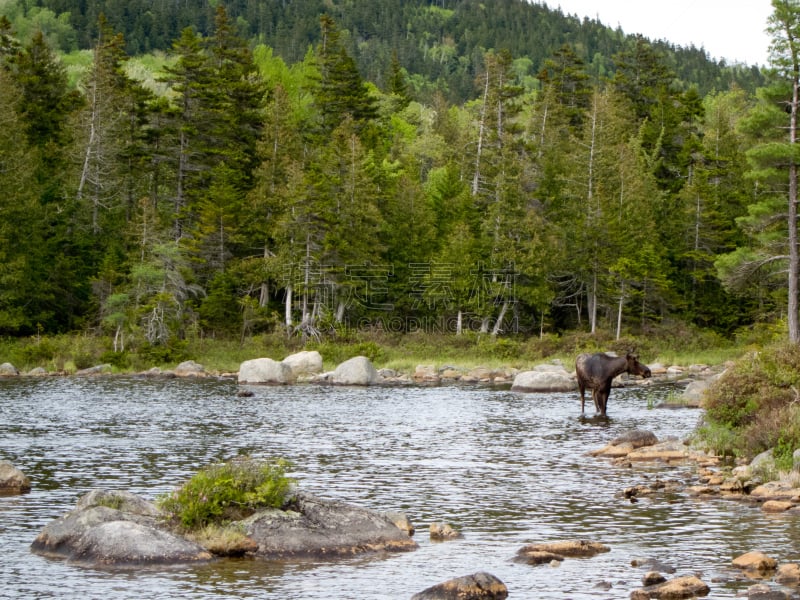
(228, 491)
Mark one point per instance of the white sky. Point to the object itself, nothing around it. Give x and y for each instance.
(729, 29)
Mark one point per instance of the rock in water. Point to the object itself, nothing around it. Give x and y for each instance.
(316, 528)
(479, 586)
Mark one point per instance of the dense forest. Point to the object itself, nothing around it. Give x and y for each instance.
(439, 43)
(221, 169)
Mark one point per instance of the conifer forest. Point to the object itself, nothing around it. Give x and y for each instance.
(226, 168)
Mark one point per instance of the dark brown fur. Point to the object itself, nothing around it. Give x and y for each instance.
(597, 371)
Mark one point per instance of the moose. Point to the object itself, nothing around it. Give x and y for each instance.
(597, 371)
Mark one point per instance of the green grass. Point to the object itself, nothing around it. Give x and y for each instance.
(670, 345)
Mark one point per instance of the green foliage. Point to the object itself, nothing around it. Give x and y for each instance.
(228, 491)
(338, 352)
(121, 360)
(174, 351)
(204, 189)
(38, 353)
(499, 348)
(752, 406)
(718, 439)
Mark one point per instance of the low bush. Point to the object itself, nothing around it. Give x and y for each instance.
(226, 492)
(753, 406)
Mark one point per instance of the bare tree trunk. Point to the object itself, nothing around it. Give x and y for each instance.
(619, 308)
(459, 322)
(181, 176)
(592, 301)
(499, 323)
(263, 296)
(592, 217)
(794, 257)
(288, 308)
(340, 307)
(481, 127)
(306, 280)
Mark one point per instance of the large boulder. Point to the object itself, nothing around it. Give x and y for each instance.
(265, 370)
(190, 368)
(121, 529)
(115, 528)
(8, 370)
(316, 528)
(356, 371)
(304, 365)
(544, 378)
(478, 586)
(127, 543)
(12, 480)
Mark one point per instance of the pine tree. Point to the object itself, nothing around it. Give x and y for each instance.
(341, 90)
(772, 218)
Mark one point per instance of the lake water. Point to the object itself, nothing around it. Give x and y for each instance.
(506, 469)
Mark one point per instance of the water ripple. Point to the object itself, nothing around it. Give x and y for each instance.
(506, 469)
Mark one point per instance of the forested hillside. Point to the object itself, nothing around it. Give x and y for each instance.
(379, 165)
(438, 42)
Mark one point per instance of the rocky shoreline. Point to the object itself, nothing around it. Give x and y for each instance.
(712, 480)
(307, 367)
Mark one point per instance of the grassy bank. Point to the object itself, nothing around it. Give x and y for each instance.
(402, 352)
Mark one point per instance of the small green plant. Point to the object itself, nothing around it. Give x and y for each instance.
(228, 491)
(111, 501)
(717, 438)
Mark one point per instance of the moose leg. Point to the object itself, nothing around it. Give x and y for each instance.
(603, 400)
(582, 389)
(596, 400)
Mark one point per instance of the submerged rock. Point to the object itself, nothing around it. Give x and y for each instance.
(478, 586)
(536, 554)
(444, 531)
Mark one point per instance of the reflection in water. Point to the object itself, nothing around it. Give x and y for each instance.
(506, 469)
